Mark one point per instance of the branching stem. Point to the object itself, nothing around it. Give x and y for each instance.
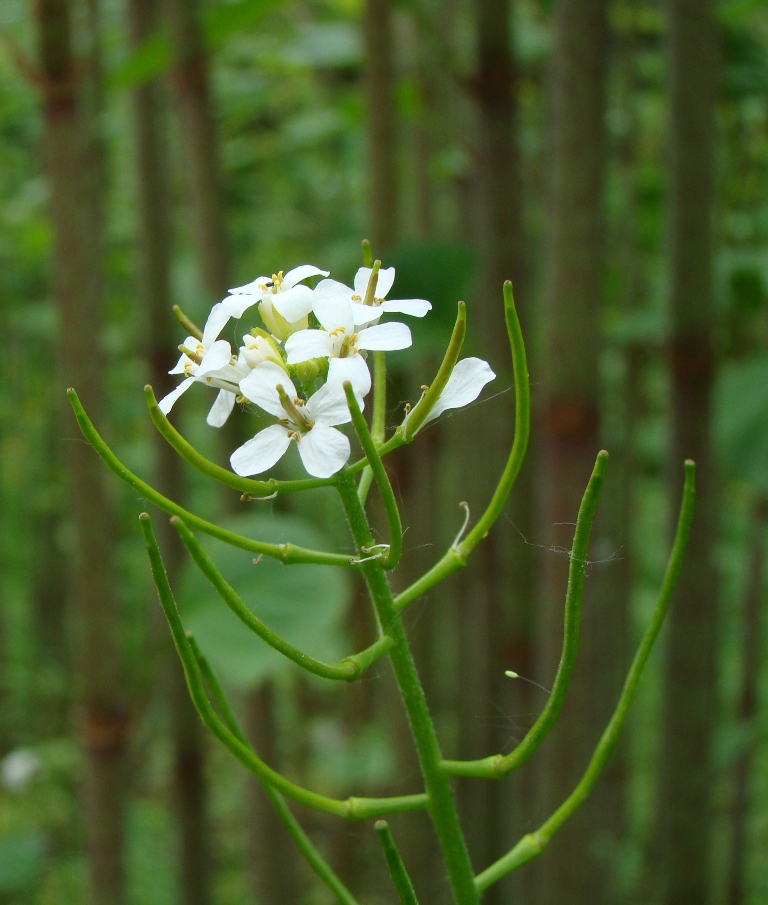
(303, 842)
(286, 553)
(499, 765)
(351, 808)
(440, 800)
(348, 669)
(456, 557)
(534, 843)
(392, 558)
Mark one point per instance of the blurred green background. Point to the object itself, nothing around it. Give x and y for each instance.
(611, 159)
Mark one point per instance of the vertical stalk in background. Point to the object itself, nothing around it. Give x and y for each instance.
(441, 807)
(155, 247)
(380, 125)
(752, 624)
(569, 420)
(74, 162)
(497, 586)
(199, 144)
(275, 878)
(156, 250)
(685, 813)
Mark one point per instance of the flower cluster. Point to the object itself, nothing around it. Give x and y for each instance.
(294, 367)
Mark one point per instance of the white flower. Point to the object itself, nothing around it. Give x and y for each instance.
(202, 361)
(18, 768)
(467, 379)
(310, 424)
(211, 362)
(367, 314)
(339, 342)
(284, 301)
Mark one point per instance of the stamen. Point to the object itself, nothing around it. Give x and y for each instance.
(300, 422)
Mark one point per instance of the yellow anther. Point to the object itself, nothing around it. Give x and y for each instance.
(357, 298)
(277, 279)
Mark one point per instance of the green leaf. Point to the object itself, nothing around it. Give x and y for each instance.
(305, 604)
(145, 63)
(225, 20)
(325, 45)
(22, 857)
(741, 419)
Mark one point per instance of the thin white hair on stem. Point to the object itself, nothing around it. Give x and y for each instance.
(566, 551)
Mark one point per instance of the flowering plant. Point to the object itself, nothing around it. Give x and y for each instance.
(308, 365)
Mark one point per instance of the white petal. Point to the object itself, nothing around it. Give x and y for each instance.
(293, 304)
(334, 311)
(464, 385)
(323, 450)
(414, 307)
(361, 281)
(167, 402)
(302, 272)
(261, 452)
(258, 287)
(218, 317)
(260, 386)
(306, 344)
(179, 368)
(328, 405)
(384, 337)
(215, 358)
(365, 314)
(221, 409)
(237, 305)
(383, 284)
(355, 370)
(333, 287)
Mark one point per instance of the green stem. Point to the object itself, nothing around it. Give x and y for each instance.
(427, 402)
(378, 420)
(391, 511)
(304, 843)
(351, 808)
(286, 553)
(228, 478)
(379, 417)
(364, 485)
(533, 844)
(499, 765)
(423, 407)
(400, 878)
(456, 556)
(186, 323)
(441, 807)
(348, 669)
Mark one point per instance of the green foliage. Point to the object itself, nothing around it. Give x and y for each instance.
(741, 419)
(305, 604)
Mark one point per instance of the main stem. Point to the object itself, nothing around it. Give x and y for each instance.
(442, 810)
